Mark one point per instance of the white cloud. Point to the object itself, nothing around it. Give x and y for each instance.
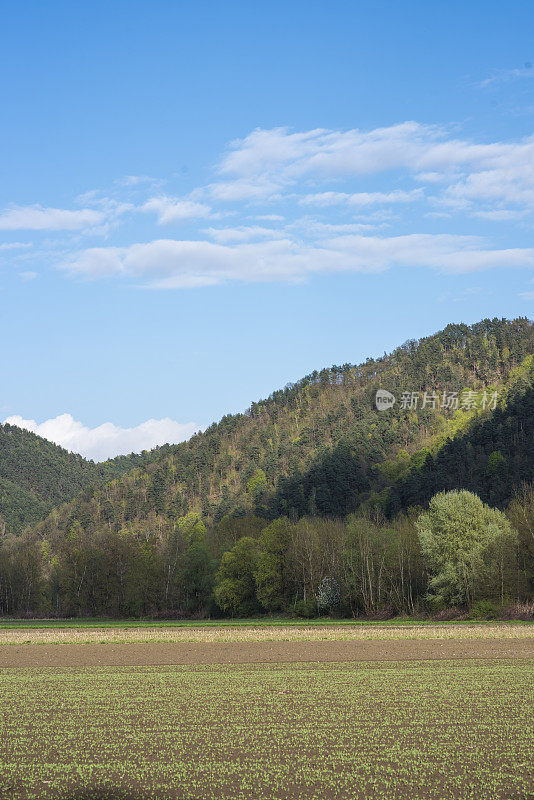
(501, 214)
(137, 180)
(255, 188)
(506, 176)
(317, 228)
(39, 218)
(106, 440)
(282, 156)
(169, 263)
(491, 181)
(443, 252)
(242, 234)
(15, 245)
(28, 275)
(435, 177)
(173, 209)
(360, 199)
(267, 162)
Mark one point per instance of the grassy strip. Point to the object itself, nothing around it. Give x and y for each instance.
(261, 622)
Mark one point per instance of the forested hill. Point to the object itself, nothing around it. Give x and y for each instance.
(317, 447)
(36, 475)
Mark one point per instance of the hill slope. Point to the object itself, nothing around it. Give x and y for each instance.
(317, 447)
(492, 457)
(36, 474)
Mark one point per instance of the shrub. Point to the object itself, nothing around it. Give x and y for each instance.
(484, 609)
(305, 608)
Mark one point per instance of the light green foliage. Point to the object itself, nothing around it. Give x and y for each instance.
(294, 436)
(466, 544)
(496, 462)
(36, 474)
(191, 527)
(257, 484)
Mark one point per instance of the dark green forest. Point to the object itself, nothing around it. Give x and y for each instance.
(36, 475)
(312, 501)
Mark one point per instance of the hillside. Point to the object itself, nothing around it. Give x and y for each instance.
(488, 451)
(316, 447)
(36, 474)
(306, 501)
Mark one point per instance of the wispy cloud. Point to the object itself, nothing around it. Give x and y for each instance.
(28, 275)
(15, 245)
(360, 199)
(506, 75)
(242, 234)
(461, 296)
(528, 295)
(351, 183)
(169, 263)
(502, 214)
(271, 161)
(39, 218)
(139, 180)
(246, 189)
(173, 209)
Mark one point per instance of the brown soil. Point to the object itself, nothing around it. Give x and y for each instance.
(158, 654)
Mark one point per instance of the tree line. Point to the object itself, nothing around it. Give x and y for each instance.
(458, 552)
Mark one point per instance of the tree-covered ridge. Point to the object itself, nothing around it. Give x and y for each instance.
(36, 474)
(316, 447)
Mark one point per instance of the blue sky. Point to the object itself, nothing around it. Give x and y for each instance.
(201, 202)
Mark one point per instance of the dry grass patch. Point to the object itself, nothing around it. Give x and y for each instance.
(280, 633)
